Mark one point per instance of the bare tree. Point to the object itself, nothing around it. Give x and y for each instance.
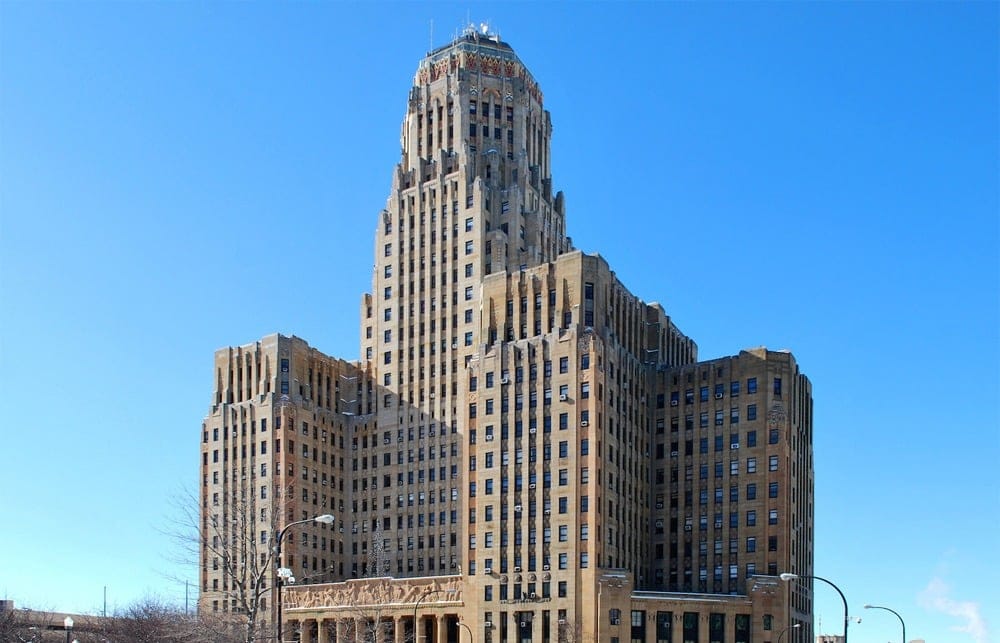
(372, 614)
(569, 632)
(20, 626)
(233, 536)
(150, 620)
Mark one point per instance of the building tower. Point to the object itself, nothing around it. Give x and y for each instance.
(519, 422)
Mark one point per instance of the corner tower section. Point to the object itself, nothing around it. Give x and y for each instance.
(471, 195)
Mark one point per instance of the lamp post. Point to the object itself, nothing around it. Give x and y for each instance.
(416, 630)
(787, 576)
(472, 637)
(790, 627)
(325, 519)
(68, 626)
(879, 607)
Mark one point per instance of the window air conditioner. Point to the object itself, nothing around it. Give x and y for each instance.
(673, 402)
(517, 508)
(584, 423)
(563, 397)
(734, 445)
(532, 430)
(505, 380)
(488, 571)
(487, 624)
(517, 570)
(718, 396)
(532, 485)
(532, 595)
(489, 437)
(546, 568)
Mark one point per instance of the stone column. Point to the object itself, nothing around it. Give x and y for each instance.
(305, 627)
(398, 629)
(321, 636)
(441, 629)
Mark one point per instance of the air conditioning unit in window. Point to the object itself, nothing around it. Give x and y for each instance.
(532, 430)
(673, 402)
(735, 445)
(718, 396)
(387, 441)
(505, 380)
(584, 423)
(615, 621)
(532, 485)
(659, 505)
(487, 624)
(673, 454)
(517, 508)
(517, 570)
(562, 621)
(532, 595)
(488, 571)
(546, 568)
(489, 437)
(563, 397)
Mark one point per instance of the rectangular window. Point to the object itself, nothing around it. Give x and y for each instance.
(752, 385)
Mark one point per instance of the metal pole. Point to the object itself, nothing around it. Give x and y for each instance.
(790, 627)
(847, 618)
(472, 637)
(901, 622)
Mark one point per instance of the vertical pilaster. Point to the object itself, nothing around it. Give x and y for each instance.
(440, 629)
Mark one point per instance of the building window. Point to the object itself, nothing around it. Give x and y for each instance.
(752, 385)
(772, 463)
(468, 247)
(751, 518)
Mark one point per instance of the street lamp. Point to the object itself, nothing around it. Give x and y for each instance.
(68, 626)
(416, 630)
(790, 627)
(879, 607)
(472, 637)
(325, 519)
(789, 576)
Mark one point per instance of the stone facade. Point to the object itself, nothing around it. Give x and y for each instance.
(526, 451)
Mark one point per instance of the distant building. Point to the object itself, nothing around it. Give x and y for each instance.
(526, 449)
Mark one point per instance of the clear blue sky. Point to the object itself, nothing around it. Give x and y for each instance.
(178, 177)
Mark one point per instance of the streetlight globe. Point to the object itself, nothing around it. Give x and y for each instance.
(68, 622)
(787, 576)
(326, 519)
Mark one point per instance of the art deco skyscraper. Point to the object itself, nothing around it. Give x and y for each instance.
(519, 424)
